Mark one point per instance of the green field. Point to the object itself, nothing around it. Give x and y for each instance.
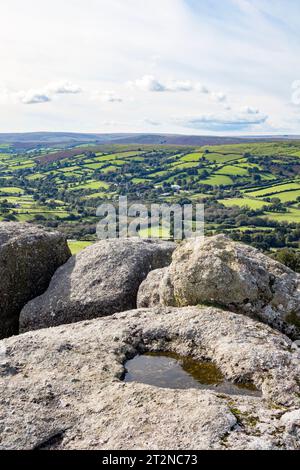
(76, 246)
(90, 185)
(292, 216)
(155, 232)
(237, 182)
(222, 158)
(233, 170)
(98, 195)
(189, 164)
(217, 180)
(192, 157)
(274, 190)
(288, 196)
(10, 190)
(244, 202)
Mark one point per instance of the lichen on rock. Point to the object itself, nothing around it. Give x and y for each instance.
(101, 280)
(238, 277)
(29, 256)
(73, 373)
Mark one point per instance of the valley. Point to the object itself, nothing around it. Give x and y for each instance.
(251, 190)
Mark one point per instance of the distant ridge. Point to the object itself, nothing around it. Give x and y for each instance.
(65, 139)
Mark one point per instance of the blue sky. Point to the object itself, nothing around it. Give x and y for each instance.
(181, 66)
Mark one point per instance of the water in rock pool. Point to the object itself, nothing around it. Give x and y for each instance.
(169, 370)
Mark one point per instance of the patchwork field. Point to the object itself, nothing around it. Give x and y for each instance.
(62, 188)
(274, 190)
(244, 202)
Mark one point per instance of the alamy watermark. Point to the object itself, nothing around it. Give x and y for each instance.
(167, 221)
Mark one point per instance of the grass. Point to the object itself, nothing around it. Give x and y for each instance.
(120, 162)
(96, 166)
(273, 190)
(70, 174)
(292, 216)
(11, 190)
(197, 196)
(259, 149)
(244, 202)
(222, 158)
(251, 228)
(123, 155)
(267, 177)
(76, 246)
(17, 199)
(35, 176)
(288, 196)
(69, 168)
(180, 166)
(158, 174)
(22, 166)
(109, 169)
(60, 214)
(99, 195)
(74, 180)
(217, 180)
(230, 170)
(192, 157)
(90, 185)
(155, 232)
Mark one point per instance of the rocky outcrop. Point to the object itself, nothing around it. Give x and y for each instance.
(62, 387)
(150, 288)
(29, 256)
(101, 280)
(223, 273)
(73, 373)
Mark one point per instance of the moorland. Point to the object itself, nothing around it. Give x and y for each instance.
(251, 189)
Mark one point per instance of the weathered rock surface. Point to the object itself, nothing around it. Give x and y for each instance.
(101, 280)
(232, 275)
(29, 256)
(61, 387)
(150, 288)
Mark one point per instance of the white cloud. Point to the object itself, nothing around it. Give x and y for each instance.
(191, 50)
(63, 87)
(33, 97)
(4, 96)
(250, 110)
(147, 83)
(109, 97)
(177, 85)
(220, 97)
(202, 88)
(223, 121)
(46, 94)
(152, 122)
(152, 84)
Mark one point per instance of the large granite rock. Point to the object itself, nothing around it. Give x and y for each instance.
(62, 388)
(149, 294)
(223, 273)
(29, 256)
(101, 280)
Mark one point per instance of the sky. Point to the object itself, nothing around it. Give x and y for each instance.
(207, 67)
